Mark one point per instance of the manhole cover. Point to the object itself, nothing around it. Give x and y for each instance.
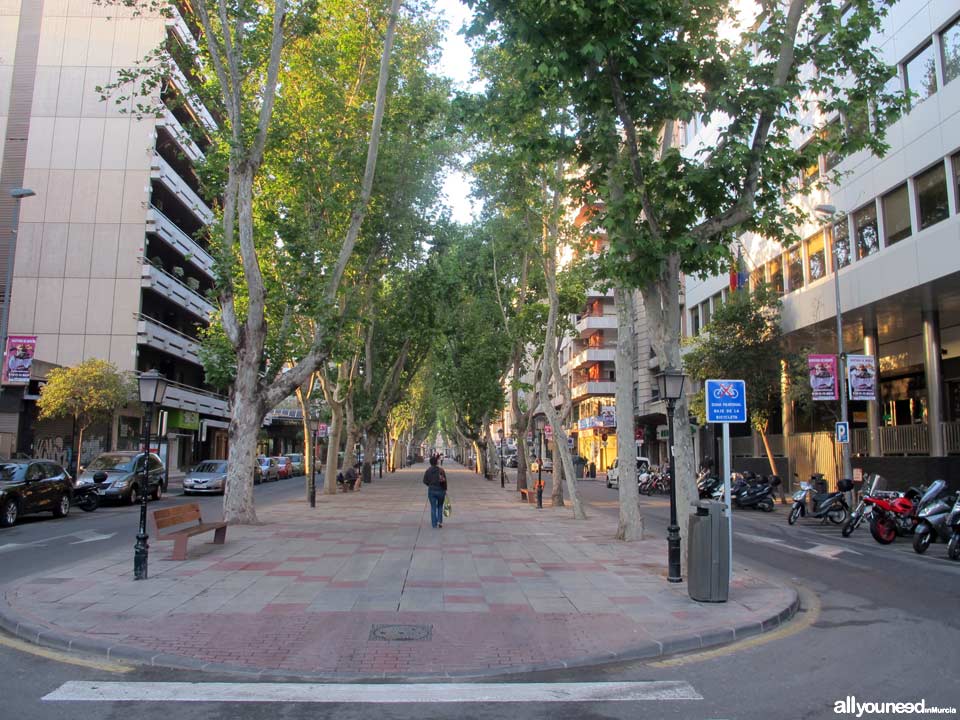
(401, 632)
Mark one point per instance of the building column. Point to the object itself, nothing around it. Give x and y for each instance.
(786, 405)
(871, 346)
(934, 378)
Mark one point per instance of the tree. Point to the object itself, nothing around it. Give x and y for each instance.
(88, 392)
(742, 341)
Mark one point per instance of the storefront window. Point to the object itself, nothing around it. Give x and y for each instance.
(816, 257)
(794, 259)
(775, 273)
(950, 40)
(840, 234)
(932, 196)
(920, 73)
(865, 226)
(896, 215)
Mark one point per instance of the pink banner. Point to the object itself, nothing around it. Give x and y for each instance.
(18, 359)
(823, 377)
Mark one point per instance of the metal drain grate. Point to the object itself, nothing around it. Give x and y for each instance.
(401, 632)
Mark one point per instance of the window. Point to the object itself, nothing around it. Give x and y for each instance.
(775, 273)
(956, 177)
(718, 300)
(705, 313)
(756, 278)
(896, 215)
(920, 74)
(932, 195)
(840, 237)
(865, 231)
(811, 169)
(950, 41)
(831, 133)
(816, 257)
(794, 260)
(695, 321)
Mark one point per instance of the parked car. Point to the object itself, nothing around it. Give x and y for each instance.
(296, 464)
(613, 472)
(547, 466)
(206, 477)
(511, 461)
(124, 475)
(32, 486)
(269, 470)
(283, 467)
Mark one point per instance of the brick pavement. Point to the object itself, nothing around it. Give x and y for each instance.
(502, 587)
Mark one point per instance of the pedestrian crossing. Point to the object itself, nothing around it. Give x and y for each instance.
(97, 691)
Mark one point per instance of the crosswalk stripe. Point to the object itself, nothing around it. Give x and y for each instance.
(372, 693)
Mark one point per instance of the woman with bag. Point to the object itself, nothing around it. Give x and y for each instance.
(436, 481)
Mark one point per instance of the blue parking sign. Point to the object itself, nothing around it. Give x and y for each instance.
(843, 432)
(726, 401)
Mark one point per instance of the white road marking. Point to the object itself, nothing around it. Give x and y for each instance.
(8, 547)
(90, 536)
(84, 535)
(830, 552)
(374, 693)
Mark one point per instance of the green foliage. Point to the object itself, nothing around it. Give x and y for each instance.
(90, 391)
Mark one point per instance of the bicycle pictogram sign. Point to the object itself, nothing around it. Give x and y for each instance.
(726, 390)
(726, 401)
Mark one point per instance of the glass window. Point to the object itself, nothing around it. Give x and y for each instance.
(865, 231)
(756, 278)
(811, 170)
(920, 73)
(896, 215)
(956, 177)
(816, 257)
(705, 313)
(950, 40)
(775, 275)
(932, 195)
(794, 258)
(695, 321)
(831, 133)
(840, 236)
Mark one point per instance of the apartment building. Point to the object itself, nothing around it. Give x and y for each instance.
(112, 260)
(894, 248)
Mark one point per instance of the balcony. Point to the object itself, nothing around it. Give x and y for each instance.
(588, 389)
(161, 337)
(168, 286)
(593, 293)
(185, 397)
(160, 170)
(186, 144)
(589, 324)
(162, 226)
(593, 355)
(179, 81)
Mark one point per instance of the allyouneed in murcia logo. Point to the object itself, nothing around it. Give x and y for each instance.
(850, 706)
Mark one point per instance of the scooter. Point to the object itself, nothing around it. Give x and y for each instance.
(894, 516)
(863, 509)
(953, 521)
(935, 506)
(756, 493)
(830, 506)
(707, 485)
(86, 496)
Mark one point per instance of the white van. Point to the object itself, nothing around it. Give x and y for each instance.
(613, 473)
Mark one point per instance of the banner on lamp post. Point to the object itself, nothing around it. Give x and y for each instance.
(862, 377)
(823, 377)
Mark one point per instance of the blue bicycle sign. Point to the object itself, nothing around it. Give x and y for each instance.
(726, 401)
(726, 389)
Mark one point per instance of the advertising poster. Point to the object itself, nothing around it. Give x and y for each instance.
(862, 377)
(608, 416)
(18, 359)
(823, 377)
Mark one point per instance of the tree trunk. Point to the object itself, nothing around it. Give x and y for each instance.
(333, 448)
(80, 446)
(247, 417)
(369, 454)
(556, 484)
(630, 526)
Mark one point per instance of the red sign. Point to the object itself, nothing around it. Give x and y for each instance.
(322, 430)
(548, 432)
(18, 359)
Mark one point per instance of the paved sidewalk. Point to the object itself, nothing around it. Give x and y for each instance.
(502, 587)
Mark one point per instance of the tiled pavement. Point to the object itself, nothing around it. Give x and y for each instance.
(502, 587)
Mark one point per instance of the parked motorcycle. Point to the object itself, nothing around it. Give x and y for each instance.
(832, 506)
(863, 510)
(86, 496)
(934, 509)
(708, 484)
(893, 516)
(755, 492)
(953, 521)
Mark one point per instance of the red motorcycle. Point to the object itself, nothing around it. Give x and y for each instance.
(893, 516)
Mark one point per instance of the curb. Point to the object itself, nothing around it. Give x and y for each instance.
(43, 636)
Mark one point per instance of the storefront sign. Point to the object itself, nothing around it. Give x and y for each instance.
(823, 376)
(585, 423)
(18, 359)
(862, 377)
(185, 419)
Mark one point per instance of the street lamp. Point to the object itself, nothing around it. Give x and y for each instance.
(153, 386)
(539, 421)
(827, 213)
(17, 194)
(500, 435)
(670, 384)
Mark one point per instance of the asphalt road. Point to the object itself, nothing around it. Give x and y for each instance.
(879, 623)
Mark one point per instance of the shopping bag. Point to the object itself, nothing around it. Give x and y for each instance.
(447, 507)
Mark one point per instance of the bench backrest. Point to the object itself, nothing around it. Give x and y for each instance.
(178, 515)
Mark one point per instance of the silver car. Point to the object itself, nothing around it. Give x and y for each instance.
(207, 477)
(121, 475)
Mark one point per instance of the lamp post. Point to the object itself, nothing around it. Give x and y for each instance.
(153, 386)
(539, 422)
(500, 435)
(670, 384)
(380, 457)
(17, 194)
(827, 213)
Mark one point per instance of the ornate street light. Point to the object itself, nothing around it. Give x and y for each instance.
(153, 387)
(500, 435)
(670, 384)
(539, 422)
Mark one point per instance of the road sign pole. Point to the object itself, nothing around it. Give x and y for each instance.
(727, 469)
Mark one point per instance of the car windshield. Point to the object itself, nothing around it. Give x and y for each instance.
(112, 462)
(211, 467)
(8, 472)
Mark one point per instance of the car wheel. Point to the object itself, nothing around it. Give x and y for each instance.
(157, 492)
(609, 486)
(134, 497)
(63, 507)
(9, 513)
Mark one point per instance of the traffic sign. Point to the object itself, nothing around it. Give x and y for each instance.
(843, 432)
(726, 401)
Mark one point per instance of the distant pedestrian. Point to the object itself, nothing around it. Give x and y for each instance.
(351, 480)
(436, 481)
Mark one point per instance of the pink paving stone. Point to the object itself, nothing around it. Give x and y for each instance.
(509, 608)
(260, 566)
(523, 573)
(464, 599)
(284, 608)
(305, 558)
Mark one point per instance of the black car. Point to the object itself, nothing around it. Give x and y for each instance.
(32, 486)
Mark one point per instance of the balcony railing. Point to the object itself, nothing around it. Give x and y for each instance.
(171, 288)
(590, 323)
(179, 81)
(181, 136)
(593, 355)
(593, 387)
(185, 397)
(160, 170)
(161, 225)
(155, 334)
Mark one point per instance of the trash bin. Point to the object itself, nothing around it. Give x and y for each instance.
(708, 555)
(593, 470)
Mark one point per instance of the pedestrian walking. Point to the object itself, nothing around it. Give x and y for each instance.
(351, 480)
(436, 481)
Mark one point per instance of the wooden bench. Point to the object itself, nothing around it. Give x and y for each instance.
(528, 495)
(180, 515)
